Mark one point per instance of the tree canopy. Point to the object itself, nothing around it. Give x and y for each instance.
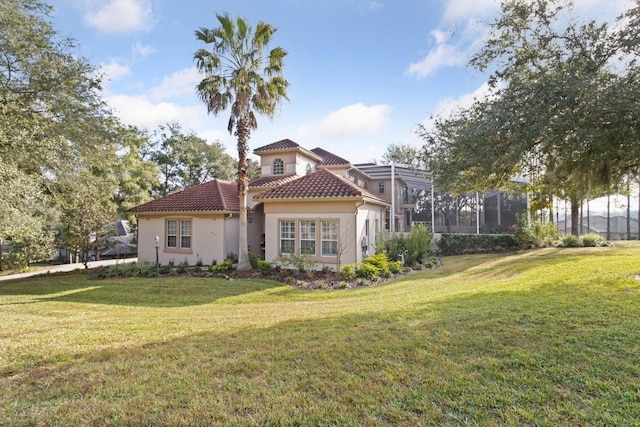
(562, 110)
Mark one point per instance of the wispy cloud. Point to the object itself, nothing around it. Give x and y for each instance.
(121, 16)
(350, 120)
(138, 50)
(178, 84)
(113, 70)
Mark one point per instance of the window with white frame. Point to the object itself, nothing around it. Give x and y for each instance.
(381, 187)
(178, 233)
(307, 237)
(278, 167)
(329, 238)
(287, 237)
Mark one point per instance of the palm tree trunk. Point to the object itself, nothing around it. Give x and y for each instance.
(243, 185)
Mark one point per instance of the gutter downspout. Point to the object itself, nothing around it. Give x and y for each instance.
(355, 232)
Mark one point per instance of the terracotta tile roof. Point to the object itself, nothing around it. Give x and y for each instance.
(210, 196)
(284, 144)
(319, 184)
(272, 180)
(329, 159)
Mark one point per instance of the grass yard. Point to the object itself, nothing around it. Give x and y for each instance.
(543, 337)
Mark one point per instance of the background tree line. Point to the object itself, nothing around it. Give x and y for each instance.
(563, 108)
(68, 166)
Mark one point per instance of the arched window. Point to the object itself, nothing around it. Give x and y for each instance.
(278, 167)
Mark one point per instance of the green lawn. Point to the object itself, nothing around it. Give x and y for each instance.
(544, 337)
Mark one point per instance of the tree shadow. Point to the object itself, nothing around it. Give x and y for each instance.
(485, 359)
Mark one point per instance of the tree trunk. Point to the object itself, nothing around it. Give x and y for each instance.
(243, 185)
(608, 217)
(628, 213)
(575, 217)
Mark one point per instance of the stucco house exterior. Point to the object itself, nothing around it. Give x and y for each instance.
(307, 202)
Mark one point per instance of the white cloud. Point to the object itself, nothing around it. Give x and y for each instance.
(114, 71)
(142, 51)
(178, 84)
(464, 9)
(121, 16)
(350, 120)
(445, 107)
(443, 55)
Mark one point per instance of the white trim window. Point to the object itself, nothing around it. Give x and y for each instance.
(287, 237)
(184, 237)
(329, 238)
(278, 167)
(307, 237)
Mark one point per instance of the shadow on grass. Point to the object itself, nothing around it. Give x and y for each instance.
(561, 356)
(139, 292)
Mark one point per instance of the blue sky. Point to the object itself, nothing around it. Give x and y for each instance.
(363, 74)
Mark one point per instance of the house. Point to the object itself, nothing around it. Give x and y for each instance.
(308, 202)
(315, 203)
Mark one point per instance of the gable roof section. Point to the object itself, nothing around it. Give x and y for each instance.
(283, 144)
(286, 145)
(211, 196)
(322, 184)
(272, 180)
(329, 159)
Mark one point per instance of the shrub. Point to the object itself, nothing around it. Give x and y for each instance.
(545, 234)
(395, 267)
(593, 240)
(380, 262)
(418, 244)
(458, 244)
(165, 269)
(347, 272)
(253, 260)
(302, 263)
(225, 265)
(394, 246)
(264, 266)
(199, 262)
(232, 257)
(368, 271)
(183, 266)
(570, 241)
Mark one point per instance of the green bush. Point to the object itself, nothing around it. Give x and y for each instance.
(418, 244)
(225, 265)
(395, 267)
(347, 272)
(570, 241)
(381, 263)
(183, 266)
(368, 271)
(302, 263)
(394, 246)
(593, 240)
(264, 266)
(458, 244)
(253, 260)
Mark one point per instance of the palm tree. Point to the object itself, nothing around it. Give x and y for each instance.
(239, 74)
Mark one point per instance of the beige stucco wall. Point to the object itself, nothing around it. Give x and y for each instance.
(294, 162)
(212, 237)
(351, 227)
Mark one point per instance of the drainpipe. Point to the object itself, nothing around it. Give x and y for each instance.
(355, 232)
